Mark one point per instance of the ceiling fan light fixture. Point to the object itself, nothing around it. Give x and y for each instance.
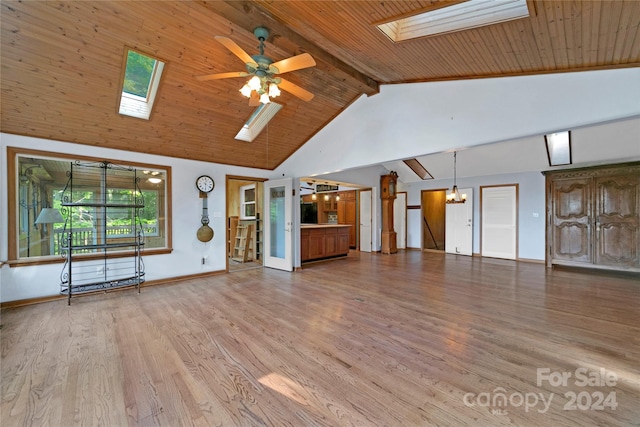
(264, 98)
(254, 83)
(246, 90)
(263, 70)
(273, 90)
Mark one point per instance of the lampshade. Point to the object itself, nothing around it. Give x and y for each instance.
(49, 216)
(255, 83)
(273, 90)
(246, 90)
(264, 98)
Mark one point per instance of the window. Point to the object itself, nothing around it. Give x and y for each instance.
(248, 202)
(460, 16)
(258, 120)
(38, 179)
(558, 148)
(140, 84)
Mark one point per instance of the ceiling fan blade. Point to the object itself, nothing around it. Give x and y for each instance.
(297, 62)
(254, 100)
(235, 49)
(219, 76)
(296, 90)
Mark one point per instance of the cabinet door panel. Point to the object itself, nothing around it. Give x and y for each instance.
(571, 222)
(617, 228)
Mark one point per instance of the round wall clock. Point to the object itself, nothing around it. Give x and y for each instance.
(205, 183)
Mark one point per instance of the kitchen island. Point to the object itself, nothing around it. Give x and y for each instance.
(318, 241)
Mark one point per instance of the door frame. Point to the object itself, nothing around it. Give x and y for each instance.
(259, 200)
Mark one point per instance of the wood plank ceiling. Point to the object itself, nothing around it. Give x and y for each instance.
(62, 65)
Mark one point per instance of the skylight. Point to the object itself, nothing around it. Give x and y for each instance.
(418, 168)
(558, 148)
(258, 120)
(140, 85)
(461, 16)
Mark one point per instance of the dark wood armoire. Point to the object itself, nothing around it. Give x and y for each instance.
(593, 217)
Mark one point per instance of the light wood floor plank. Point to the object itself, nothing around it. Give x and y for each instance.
(368, 340)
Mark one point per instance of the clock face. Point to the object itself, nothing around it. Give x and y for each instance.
(205, 184)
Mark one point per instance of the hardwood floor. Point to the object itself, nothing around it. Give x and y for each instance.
(411, 339)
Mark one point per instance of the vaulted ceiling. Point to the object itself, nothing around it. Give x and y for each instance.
(62, 64)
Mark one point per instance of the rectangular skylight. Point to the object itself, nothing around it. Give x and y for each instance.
(258, 120)
(418, 168)
(140, 84)
(558, 148)
(460, 16)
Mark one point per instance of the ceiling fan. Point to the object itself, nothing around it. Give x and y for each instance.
(264, 82)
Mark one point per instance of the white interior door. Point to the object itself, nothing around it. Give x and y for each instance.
(278, 233)
(499, 221)
(400, 220)
(459, 226)
(365, 221)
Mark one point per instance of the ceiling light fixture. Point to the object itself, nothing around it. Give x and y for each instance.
(455, 196)
(263, 83)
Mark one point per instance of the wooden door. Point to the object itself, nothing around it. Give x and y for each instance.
(617, 231)
(571, 219)
(433, 219)
(351, 219)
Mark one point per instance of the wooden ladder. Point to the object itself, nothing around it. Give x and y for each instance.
(242, 245)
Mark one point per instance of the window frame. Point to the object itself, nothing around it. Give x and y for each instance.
(244, 203)
(14, 211)
(138, 107)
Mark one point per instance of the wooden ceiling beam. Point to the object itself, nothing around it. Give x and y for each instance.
(248, 16)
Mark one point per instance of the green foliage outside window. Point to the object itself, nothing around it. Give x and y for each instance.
(138, 73)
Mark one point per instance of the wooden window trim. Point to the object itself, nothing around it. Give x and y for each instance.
(12, 154)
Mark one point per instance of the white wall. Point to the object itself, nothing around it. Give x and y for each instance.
(411, 120)
(531, 201)
(18, 283)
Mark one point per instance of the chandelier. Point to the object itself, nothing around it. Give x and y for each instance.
(455, 196)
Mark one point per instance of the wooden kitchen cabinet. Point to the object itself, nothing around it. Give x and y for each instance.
(323, 241)
(347, 214)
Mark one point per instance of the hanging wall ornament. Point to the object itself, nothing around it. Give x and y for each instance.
(205, 184)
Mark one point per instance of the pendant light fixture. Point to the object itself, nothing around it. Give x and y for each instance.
(455, 196)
